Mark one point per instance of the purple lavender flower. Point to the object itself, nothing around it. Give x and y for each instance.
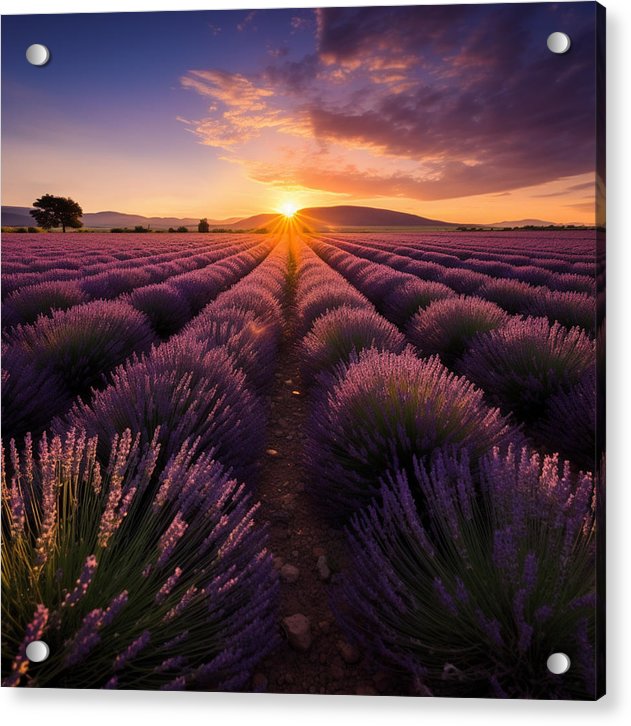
(132, 650)
(338, 335)
(446, 327)
(82, 583)
(418, 594)
(170, 538)
(139, 613)
(23, 306)
(186, 390)
(77, 346)
(34, 631)
(383, 411)
(168, 586)
(525, 362)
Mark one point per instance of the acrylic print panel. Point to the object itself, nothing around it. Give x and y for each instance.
(318, 407)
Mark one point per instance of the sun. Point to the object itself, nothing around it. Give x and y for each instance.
(288, 209)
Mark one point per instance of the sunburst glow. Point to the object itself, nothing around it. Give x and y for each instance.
(288, 209)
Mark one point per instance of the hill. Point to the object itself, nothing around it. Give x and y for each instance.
(351, 216)
(17, 217)
(344, 216)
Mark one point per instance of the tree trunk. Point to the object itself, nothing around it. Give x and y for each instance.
(63, 226)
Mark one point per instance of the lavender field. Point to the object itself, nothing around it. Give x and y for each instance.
(309, 463)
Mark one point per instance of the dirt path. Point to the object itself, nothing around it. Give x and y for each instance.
(298, 538)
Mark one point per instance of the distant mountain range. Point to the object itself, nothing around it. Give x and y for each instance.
(317, 218)
(313, 217)
(20, 217)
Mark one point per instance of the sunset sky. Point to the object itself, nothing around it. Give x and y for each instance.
(457, 113)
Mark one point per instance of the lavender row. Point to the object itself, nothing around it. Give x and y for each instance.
(26, 303)
(195, 398)
(518, 247)
(450, 516)
(375, 404)
(98, 254)
(203, 384)
(468, 276)
(399, 303)
(524, 290)
(47, 364)
(396, 293)
(535, 371)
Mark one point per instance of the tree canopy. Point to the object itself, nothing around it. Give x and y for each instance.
(51, 211)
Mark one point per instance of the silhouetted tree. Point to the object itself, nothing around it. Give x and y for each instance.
(203, 225)
(51, 211)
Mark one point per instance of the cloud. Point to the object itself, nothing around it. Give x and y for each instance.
(589, 207)
(233, 89)
(583, 186)
(445, 180)
(240, 110)
(431, 102)
(247, 23)
(299, 22)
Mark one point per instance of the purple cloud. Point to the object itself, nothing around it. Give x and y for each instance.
(466, 99)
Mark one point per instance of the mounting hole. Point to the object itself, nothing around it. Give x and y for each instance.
(559, 663)
(37, 54)
(559, 42)
(37, 651)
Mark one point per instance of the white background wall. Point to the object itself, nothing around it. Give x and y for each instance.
(106, 708)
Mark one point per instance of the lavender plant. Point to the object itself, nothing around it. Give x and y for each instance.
(569, 422)
(324, 297)
(462, 592)
(134, 578)
(199, 287)
(337, 335)
(81, 344)
(165, 307)
(465, 282)
(574, 283)
(252, 342)
(380, 413)
(402, 301)
(446, 327)
(566, 308)
(258, 299)
(112, 283)
(23, 306)
(30, 396)
(522, 364)
(188, 392)
(514, 296)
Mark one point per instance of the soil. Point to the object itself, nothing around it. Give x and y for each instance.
(298, 536)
